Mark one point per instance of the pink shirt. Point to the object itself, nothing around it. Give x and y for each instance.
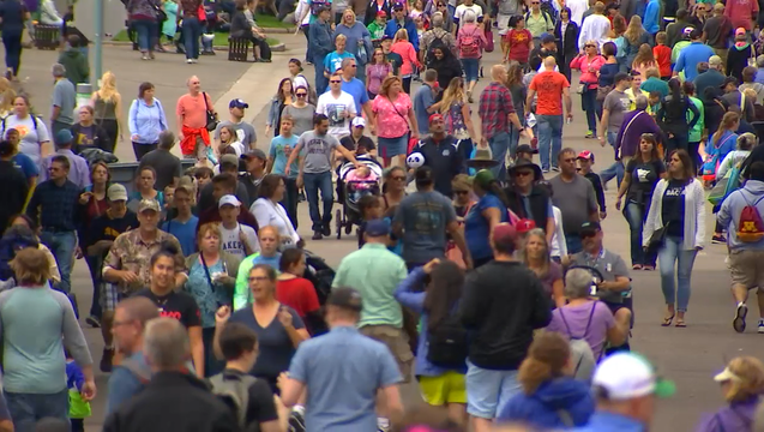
(193, 110)
(742, 12)
(408, 54)
(583, 64)
(392, 117)
(353, 176)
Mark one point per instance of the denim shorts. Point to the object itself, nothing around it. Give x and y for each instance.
(488, 391)
(471, 67)
(390, 147)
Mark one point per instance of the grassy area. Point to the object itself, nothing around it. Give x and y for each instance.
(270, 21)
(221, 39)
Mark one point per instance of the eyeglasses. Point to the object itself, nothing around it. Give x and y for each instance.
(335, 81)
(523, 173)
(301, 94)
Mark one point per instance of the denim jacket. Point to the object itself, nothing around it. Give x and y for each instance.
(320, 39)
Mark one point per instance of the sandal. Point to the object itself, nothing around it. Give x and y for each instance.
(648, 268)
(680, 323)
(636, 267)
(667, 320)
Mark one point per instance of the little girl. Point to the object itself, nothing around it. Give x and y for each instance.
(364, 176)
(518, 42)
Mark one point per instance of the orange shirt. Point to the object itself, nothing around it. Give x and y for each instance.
(193, 110)
(549, 86)
(662, 55)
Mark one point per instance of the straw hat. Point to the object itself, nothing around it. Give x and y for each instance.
(483, 159)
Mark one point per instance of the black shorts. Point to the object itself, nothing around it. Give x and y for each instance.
(626, 303)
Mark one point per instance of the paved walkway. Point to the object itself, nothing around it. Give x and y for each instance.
(689, 356)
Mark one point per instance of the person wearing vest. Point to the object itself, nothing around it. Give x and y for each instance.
(744, 256)
(528, 201)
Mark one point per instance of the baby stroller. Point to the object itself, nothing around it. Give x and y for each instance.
(352, 191)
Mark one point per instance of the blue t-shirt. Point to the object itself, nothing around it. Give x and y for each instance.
(343, 371)
(423, 99)
(276, 349)
(476, 228)
(208, 298)
(357, 89)
(184, 232)
(424, 217)
(25, 164)
(280, 154)
(12, 15)
(333, 61)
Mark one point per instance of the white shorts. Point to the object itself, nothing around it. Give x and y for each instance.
(502, 22)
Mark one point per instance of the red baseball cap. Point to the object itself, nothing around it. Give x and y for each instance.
(504, 233)
(586, 154)
(524, 225)
(436, 116)
(381, 14)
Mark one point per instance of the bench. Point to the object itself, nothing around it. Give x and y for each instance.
(238, 49)
(47, 37)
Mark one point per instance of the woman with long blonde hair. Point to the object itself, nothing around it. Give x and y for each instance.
(107, 107)
(457, 115)
(411, 64)
(7, 94)
(634, 37)
(536, 258)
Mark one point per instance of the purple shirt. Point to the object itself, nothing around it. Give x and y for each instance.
(554, 273)
(737, 416)
(631, 131)
(79, 173)
(577, 318)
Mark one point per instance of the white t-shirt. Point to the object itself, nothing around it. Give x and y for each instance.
(275, 215)
(232, 244)
(462, 9)
(333, 108)
(31, 131)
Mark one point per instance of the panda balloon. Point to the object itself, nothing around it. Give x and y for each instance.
(415, 160)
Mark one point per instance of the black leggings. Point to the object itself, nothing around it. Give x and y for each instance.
(12, 53)
(111, 127)
(407, 85)
(141, 149)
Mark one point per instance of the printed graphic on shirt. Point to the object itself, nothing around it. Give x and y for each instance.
(336, 114)
(22, 130)
(429, 217)
(316, 146)
(643, 175)
(240, 135)
(675, 191)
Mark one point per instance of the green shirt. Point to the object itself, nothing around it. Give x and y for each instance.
(697, 131)
(375, 272)
(376, 30)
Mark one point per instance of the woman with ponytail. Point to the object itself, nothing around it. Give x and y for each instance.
(551, 398)
(489, 211)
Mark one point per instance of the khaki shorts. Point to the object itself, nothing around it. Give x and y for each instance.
(398, 343)
(746, 268)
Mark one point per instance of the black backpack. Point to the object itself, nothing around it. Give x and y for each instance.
(447, 344)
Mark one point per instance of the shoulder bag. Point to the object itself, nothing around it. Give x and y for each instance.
(212, 117)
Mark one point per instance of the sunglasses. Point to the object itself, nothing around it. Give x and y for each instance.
(590, 46)
(301, 94)
(335, 81)
(523, 173)
(587, 234)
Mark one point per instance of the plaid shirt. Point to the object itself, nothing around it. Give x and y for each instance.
(495, 107)
(56, 205)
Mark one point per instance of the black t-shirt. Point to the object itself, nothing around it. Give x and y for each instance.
(644, 176)
(672, 210)
(177, 304)
(166, 164)
(396, 60)
(364, 142)
(260, 407)
(105, 227)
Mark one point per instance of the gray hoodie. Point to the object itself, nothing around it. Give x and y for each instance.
(729, 214)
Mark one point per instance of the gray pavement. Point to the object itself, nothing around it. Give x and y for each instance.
(689, 356)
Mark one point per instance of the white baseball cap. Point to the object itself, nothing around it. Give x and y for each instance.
(627, 375)
(358, 122)
(229, 200)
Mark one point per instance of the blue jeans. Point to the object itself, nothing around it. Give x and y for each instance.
(488, 390)
(146, 30)
(635, 215)
(499, 145)
(62, 244)
(321, 81)
(616, 169)
(514, 140)
(573, 242)
(314, 183)
(192, 31)
(669, 254)
(27, 409)
(290, 199)
(589, 105)
(471, 68)
(550, 135)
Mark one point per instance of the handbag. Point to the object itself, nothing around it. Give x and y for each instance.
(657, 239)
(602, 92)
(212, 117)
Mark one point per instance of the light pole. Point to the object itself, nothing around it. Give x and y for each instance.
(98, 60)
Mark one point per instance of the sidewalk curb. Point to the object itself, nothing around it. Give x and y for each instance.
(279, 47)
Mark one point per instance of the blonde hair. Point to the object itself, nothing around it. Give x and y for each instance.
(538, 233)
(340, 37)
(209, 228)
(453, 93)
(387, 83)
(634, 30)
(750, 382)
(108, 91)
(401, 34)
(547, 357)
(31, 267)
(6, 100)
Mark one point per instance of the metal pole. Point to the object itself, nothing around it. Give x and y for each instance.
(98, 61)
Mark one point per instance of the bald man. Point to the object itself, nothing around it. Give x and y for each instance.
(191, 112)
(550, 88)
(497, 119)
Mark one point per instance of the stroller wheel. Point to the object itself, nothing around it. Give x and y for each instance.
(338, 217)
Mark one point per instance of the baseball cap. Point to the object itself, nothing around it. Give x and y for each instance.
(229, 159)
(726, 375)
(504, 233)
(257, 153)
(547, 38)
(696, 33)
(237, 103)
(386, 38)
(628, 375)
(398, 7)
(586, 154)
(588, 228)
(436, 116)
(687, 30)
(229, 200)
(524, 225)
(715, 60)
(358, 122)
(148, 204)
(377, 228)
(739, 31)
(346, 298)
(64, 136)
(381, 14)
(116, 192)
(525, 148)
(729, 80)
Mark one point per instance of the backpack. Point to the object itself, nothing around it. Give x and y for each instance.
(547, 11)
(447, 344)
(750, 227)
(316, 5)
(469, 44)
(34, 123)
(580, 352)
(436, 43)
(235, 393)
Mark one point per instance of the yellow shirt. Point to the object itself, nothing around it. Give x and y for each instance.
(630, 93)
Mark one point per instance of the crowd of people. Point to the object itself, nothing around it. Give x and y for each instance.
(205, 293)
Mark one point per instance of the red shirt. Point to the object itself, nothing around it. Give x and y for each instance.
(299, 294)
(549, 86)
(662, 55)
(518, 44)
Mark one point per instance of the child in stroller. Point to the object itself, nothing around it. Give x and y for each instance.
(360, 182)
(354, 184)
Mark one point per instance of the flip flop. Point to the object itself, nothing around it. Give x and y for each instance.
(667, 320)
(680, 323)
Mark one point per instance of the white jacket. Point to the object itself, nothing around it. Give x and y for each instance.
(694, 214)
